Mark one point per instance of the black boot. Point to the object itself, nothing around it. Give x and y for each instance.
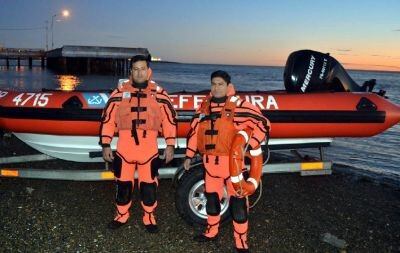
(151, 228)
(242, 250)
(203, 238)
(113, 225)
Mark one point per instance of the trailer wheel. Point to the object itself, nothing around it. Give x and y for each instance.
(190, 200)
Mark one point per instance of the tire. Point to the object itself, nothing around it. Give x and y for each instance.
(190, 201)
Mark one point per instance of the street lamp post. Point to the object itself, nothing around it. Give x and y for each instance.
(52, 30)
(47, 36)
(64, 13)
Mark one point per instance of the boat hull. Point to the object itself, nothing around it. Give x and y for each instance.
(87, 149)
(335, 114)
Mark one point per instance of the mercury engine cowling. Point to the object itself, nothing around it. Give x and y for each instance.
(308, 71)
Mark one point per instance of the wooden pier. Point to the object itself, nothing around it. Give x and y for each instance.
(92, 59)
(22, 54)
(77, 59)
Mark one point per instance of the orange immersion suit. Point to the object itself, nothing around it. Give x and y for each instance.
(213, 128)
(137, 114)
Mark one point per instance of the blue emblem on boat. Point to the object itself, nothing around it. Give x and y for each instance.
(96, 100)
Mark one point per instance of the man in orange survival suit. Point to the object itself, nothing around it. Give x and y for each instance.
(137, 110)
(213, 127)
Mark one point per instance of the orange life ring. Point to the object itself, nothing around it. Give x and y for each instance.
(236, 162)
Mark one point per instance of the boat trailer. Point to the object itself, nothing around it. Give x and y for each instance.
(306, 166)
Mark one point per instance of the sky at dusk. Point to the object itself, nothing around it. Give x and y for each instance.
(360, 34)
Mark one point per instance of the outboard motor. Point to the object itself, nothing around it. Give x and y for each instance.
(308, 71)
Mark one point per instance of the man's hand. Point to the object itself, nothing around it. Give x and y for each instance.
(169, 153)
(108, 154)
(186, 163)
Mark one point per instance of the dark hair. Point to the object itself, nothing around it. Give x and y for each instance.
(223, 74)
(141, 57)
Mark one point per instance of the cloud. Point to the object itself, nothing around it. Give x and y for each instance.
(389, 66)
(115, 36)
(396, 30)
(372, 65)
(343, 50)
(378, 55)
(347, 52)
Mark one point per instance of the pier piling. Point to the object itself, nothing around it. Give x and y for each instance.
(18, 54)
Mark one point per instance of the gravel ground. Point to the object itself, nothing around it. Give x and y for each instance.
(295, 214)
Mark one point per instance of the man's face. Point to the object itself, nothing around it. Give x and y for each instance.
(139, 72)
(219, 87)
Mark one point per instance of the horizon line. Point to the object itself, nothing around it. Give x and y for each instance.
(272, 66)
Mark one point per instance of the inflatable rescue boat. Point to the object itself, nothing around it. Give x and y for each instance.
(320, 102)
